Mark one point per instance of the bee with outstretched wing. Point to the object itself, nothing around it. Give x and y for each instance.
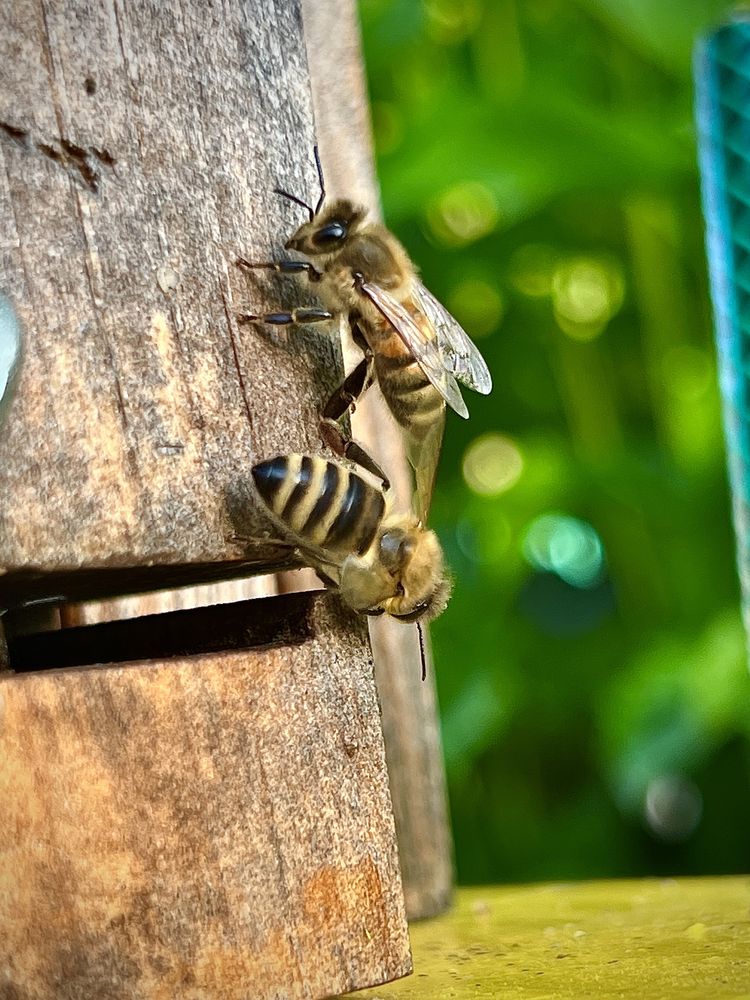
(413, 348)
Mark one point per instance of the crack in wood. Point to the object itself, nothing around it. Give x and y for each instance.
(79, 157)
(18, 135)
(66, 154)
(51, 152)
(104, 157)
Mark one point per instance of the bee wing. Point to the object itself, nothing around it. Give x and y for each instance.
(460, 353)
(325, 565)
(425, 348)
(423, 455)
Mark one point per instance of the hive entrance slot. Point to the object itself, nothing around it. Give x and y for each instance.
(270, 621)
(21, 587)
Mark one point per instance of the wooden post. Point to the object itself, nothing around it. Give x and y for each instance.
(136, 169)
(410, 723)
(213, 826)
(210, 816)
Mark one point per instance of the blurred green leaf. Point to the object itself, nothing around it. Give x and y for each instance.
(539, 157)
(658, 28)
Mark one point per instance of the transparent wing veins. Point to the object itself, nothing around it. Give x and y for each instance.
(426, 350)
(461, 357)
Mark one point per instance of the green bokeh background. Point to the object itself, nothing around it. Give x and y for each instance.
(537, 158)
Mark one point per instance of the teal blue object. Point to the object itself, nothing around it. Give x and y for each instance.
(722, 74)
(10, 352)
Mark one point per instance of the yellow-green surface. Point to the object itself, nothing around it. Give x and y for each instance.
(650, 939)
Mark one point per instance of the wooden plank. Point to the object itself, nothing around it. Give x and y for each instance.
(409, 707)
(654, 939)
(138, 159)
(204, 595)
(207, 826)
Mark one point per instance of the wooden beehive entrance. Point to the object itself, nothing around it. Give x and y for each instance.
(198, 801)
(195, 802)
(204, 820)
(28, 588)
(286, 620)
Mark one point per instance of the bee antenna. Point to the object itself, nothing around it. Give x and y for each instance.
(420, 633)
(296, 200)
(322, 197)
(303, 204)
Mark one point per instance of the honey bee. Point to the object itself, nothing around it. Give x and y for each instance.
(379, 561)
(413, 347)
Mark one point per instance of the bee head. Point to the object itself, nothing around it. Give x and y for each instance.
(328, 230)
(423, 586)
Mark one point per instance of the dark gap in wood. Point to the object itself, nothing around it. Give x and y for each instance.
(19, 588)
(104, 156)
(19, 135)
(4, 660)
(74, 151)
(51, 152)
(70, 154)
(287, 620)
(33, 619)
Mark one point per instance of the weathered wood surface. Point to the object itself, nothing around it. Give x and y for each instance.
(409, 707)
(140, 145)
(651, 939)
(216, 826)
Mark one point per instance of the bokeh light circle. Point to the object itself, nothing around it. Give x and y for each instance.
(477, 305)
(463, 213)
(492, 464)
(567, 546)
(673, 807)
(586, 293)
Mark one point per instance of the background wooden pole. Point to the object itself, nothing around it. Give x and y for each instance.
(410, 721)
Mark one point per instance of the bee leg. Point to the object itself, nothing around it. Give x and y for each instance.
(358, 336)
(334, 437)
(247, 542)
(325, 579)
(284, 266)
(343, 399)
(292, 318)
(347, 394)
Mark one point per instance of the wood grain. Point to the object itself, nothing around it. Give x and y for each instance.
(409, 706)
(139, 146)
(205, 595)
(208, 826)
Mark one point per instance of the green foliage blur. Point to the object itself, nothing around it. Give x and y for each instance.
(537, 158)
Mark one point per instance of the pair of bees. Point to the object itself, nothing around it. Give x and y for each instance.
(344, 527)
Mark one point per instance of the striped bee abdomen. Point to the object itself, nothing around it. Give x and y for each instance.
(322, 502)
(412, 398)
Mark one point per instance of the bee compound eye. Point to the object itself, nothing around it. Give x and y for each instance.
(331, 233)
(394, 549)
(405, 549)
